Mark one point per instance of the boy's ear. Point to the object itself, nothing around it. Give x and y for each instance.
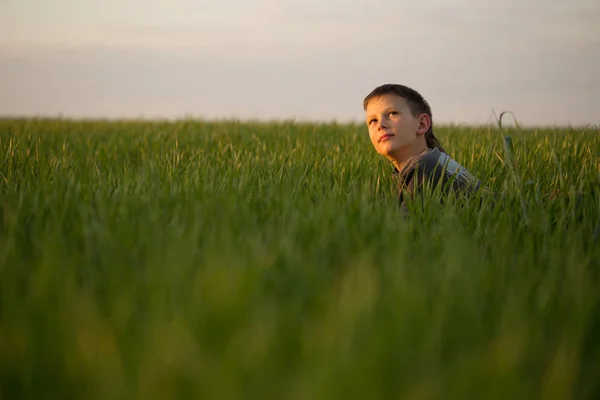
(424, 124)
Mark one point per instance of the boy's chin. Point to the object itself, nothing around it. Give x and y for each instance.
(386, 151)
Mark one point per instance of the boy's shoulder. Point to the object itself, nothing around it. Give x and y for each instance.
(437, 165)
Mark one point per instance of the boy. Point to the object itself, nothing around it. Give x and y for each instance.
(399, 120)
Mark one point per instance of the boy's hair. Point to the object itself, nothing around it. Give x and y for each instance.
(417, 104)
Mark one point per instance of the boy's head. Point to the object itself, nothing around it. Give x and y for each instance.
(415, 103)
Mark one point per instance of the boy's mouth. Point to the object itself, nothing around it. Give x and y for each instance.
(385, 137)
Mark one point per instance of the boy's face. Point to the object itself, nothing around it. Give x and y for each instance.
(392, 127)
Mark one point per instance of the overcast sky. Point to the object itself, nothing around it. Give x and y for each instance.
(303, 59)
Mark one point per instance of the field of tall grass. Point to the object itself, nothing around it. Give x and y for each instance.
(236, 260)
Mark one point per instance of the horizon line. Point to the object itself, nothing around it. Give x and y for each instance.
(275, 120)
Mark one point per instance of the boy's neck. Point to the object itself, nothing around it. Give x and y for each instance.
(401, 158)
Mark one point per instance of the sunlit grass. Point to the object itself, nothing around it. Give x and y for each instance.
(270, 260)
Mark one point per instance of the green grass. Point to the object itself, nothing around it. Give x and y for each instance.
(231, 260)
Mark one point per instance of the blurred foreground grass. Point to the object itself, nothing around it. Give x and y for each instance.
(233, 260)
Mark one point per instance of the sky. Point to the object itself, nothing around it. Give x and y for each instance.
(300, 59)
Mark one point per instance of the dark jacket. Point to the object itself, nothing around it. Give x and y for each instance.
(433, 168)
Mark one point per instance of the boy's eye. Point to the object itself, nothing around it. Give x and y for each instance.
(392, 113)
(371, 121)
